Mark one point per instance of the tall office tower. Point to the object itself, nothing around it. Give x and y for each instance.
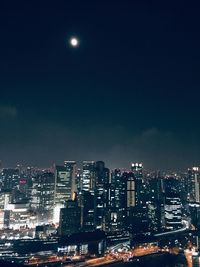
(129, 184)
(70, 218)
(156, 190)
(88, 176)
(101, 194)
(172, 185)
(173, 212)
(71, 168)
(130, 190)
(88, 211)
(116, 211)
(35, 193)
(176, 185)
(156, 203)
(22, 192)
(5, 199)
(182, 179)
(64, 189)
(117, 187)
(42, 197)
(195, 214)
(86, 195)
(172, 203)
(24, 187)
(136, 215)
(78, 180)
(47, 181)
(193, 186)
(141, 190)
(9, 179)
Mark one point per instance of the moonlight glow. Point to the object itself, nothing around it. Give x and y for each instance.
(74, 42)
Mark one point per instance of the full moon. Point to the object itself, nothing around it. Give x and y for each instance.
(74, 42)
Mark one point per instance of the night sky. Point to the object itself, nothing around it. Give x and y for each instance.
(129, 92)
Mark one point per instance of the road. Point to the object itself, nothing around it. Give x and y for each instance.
(183, 229)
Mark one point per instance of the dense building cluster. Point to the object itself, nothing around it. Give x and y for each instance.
(73, 200)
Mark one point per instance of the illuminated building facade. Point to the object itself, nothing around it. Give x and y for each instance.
(20, 216)
(173, 212)
(64, 188)
(71, 169)
(42, 196)
(156, 203)
(130, 190)
(9, 179)
(141, 190)
(115, 218)
(47, 185)
(101, 196)
(88, 176)
(5, 198)
(193, 185)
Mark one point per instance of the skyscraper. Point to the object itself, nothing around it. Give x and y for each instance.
(115, 215)
(117, 189)
(173, 213)
(70, 218)
(86, 195)
(156, 203)
(64, 188)
(137, 170)
(172, 203)
(5, 198)
(9, 179)
(42, 196)
(88, 176)
(130, 190)
(47, 181)
(193, 185)
(88, 211)
(71, 169)
(101, 193)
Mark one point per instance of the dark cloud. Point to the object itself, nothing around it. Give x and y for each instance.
(45, 143)
(7, 112)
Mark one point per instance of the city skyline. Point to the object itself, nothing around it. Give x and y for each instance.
(128, 92)
(99, 133)
(96, 215)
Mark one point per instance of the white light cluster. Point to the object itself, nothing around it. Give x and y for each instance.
(137, 165)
